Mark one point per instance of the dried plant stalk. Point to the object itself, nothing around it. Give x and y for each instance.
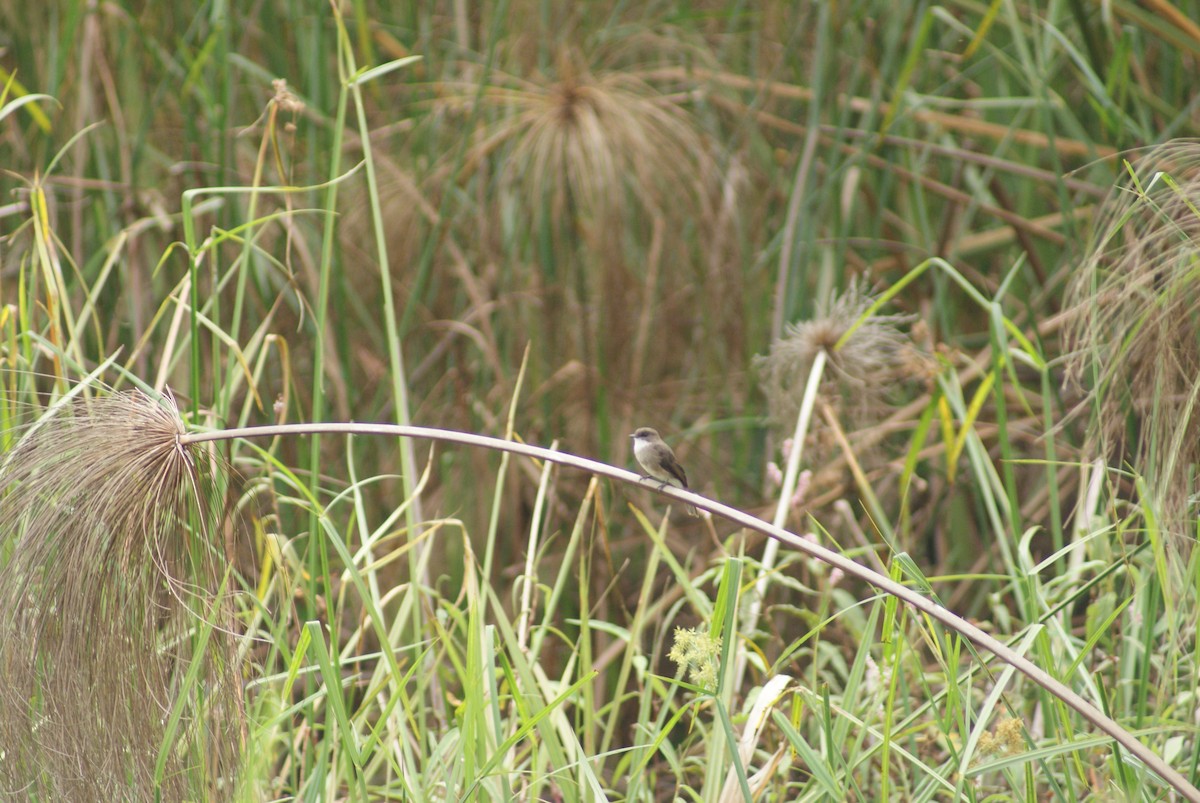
(100, 580)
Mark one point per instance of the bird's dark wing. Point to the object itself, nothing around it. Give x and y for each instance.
(675, 470)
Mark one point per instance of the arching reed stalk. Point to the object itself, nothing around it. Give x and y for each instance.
(104, 560)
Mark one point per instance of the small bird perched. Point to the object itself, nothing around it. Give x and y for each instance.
(658, 461)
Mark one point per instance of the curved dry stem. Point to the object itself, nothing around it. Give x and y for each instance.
(889, 586)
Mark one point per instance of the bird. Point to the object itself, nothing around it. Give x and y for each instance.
(658, 461)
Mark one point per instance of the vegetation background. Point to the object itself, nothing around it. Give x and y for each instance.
(555, 223)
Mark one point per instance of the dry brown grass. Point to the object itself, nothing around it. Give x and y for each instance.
(107, 578)
(1136, 340)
